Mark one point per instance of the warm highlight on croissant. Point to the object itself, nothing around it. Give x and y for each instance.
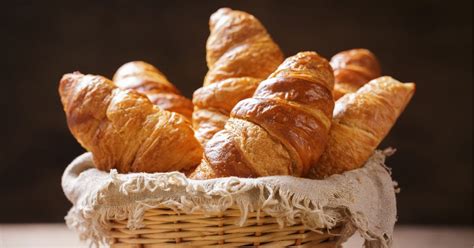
(281, 130)
(124, 130)
(361, 121)
(240, 54)
(352, 69)
(147, 79)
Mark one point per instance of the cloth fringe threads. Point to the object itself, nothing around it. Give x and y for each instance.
(362, 199)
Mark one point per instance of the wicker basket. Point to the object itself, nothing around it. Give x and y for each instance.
(168, 228)
(161, 209)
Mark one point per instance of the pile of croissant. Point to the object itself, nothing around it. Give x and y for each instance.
(257, 114)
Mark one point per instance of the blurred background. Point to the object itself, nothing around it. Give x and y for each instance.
(427, 42)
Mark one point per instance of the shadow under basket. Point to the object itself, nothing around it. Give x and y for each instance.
(164, 227)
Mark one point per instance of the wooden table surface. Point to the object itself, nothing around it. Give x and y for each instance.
(57, 235)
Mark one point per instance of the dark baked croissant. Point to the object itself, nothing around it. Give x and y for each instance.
(124, 130)
(352, 69)
(361, 120)
(147, 79)
(240, 54)
(281, 130)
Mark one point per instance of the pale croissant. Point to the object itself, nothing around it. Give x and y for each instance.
(124, 130)
(361, 120)
(352, 69)
(281, 130)
(147, 79)
(240, 54)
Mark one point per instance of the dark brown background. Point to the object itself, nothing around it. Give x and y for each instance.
(428, 42)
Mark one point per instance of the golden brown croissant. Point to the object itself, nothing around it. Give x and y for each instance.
(240, 54)
(124, 130)
(361, 120)
(352, 69)
(147, 79)
(281, 130)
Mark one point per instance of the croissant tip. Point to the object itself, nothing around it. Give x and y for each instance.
(66, 84)
(411, 86)
(408, 87)
(71, 75)
(218, 15)
(307, 53)
(136, 63)
(313, 54)
(357, 50)
(363, 50)
(224, 9)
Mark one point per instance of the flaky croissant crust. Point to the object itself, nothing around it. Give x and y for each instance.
(240, 54)
(147, 79)
(124, 130)
(361, 121)
(281, 130)
(352, 69)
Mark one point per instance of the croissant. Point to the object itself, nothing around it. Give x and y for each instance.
(281, 130)
(124, 130)
(147, 79)
(361, 120)
(240, 54)
(352, 69)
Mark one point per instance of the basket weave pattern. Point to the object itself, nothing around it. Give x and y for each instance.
(166, 228)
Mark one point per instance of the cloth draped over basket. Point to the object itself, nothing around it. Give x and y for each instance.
(363, 199)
